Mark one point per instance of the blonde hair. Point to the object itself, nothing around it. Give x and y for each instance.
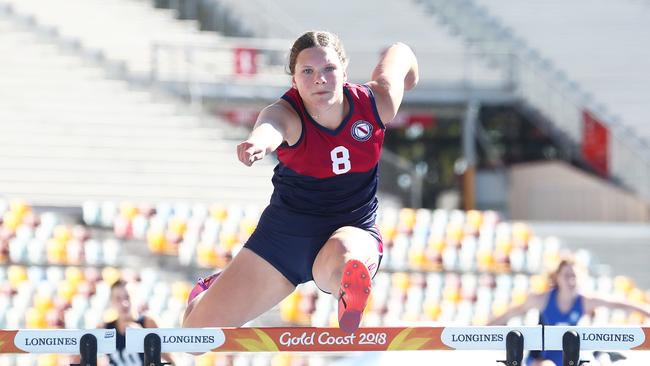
(568, 261)
(316, 39)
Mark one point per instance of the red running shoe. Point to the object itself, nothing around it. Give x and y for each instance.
(201, 285)
(353, 295)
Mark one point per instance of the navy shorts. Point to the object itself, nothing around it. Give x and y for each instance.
(294, 255)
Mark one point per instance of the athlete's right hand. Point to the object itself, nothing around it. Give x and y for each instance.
(248, 152)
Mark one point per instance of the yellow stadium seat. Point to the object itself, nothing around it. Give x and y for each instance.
(519, 296)
(246, 228)
(219, 212)
(289, 307)
(66, 291)
(16, 275)
(539, 283)
(74, 275)
(156, 241)
(454, 235)
(636, 295)
(387, 232)
(206, 359)
(43, 303)
(177, 226)
(451, 294)
(520, 234)
(110, 275)
(19, 207)
(417, 258)
(62, 234)
(635, 318)
(48, 360)
(623, 285)
(437, 243)
(282, 359)
(11, 221)
(406, 220)
(503, 244)
(484, 260)
(181, 290)
(128, 210)
(56, 252)
(474, 219)
(401, 281)
(228, 240)
(431, 310)
(206, 255)
(35, 319)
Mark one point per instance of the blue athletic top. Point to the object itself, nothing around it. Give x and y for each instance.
(552, 315)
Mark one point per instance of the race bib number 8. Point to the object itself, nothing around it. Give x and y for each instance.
(340, 160)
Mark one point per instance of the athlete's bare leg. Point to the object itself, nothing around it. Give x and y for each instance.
(346, 243)
(247, 288)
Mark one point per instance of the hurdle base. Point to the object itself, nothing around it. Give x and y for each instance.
(514, 349)
(571, 349)
(152, 350)
(87, 351)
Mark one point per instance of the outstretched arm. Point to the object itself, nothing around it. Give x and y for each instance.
(593, 302)
(535, 301)
(396, 72)
(270, 130)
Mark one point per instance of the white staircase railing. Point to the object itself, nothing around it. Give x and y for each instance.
(549, 91)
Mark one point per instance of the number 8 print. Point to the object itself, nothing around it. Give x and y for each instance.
(340, 160)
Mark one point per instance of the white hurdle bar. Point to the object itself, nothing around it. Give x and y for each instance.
(152, 341)
(604, 338)
(85, 342)
(299, 339)
(64, 341)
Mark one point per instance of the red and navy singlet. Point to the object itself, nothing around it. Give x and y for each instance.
(332, 173)
(326, 180)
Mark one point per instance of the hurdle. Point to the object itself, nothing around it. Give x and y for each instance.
(153, 342)
(571, 340)
(87, 343)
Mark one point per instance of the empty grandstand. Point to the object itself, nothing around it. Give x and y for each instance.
(525, 141)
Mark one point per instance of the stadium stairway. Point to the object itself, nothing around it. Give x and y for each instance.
(69, 132)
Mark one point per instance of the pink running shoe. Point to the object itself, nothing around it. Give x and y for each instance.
(201, 285)
(353, 295)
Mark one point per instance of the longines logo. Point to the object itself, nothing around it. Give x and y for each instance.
(496, 337)
(607, 337)
(51, 341)
(206, 339)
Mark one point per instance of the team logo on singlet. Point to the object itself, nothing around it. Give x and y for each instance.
(361, 130)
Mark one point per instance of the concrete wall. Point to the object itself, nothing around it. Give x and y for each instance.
(556, 191)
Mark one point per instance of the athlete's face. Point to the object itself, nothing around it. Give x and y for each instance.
(121, 301)
(319, 77)
(566, 278)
